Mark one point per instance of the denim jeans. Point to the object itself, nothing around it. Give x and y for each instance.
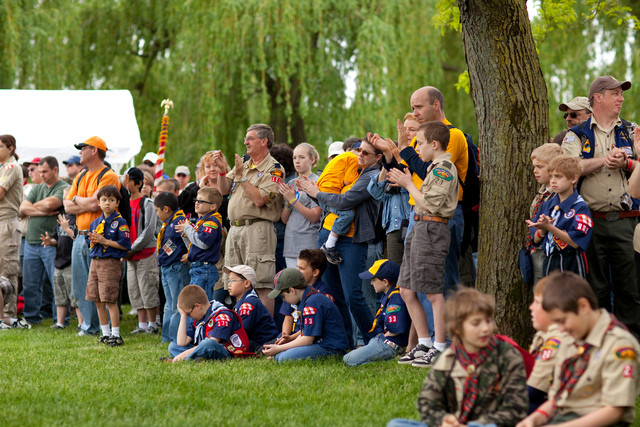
(375, 350)
(80, 262)
(401, 422)
(374, 253)
(38, 266)
(346, 285)
(205, 276)
(174, 278)
(341, 224)
(312, 351)
(208, 349)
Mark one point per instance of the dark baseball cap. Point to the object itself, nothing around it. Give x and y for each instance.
(607, 82)
(285, 279)
(72, 160)
(135, 174)
(382, 269)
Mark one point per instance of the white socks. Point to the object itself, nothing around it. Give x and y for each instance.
(331, 241)
(106, 330)
(439, 346)
(115, 331)
(142, 325)
(152, 325)
(426, 342)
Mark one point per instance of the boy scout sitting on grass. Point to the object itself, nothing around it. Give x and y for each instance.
(596, 380)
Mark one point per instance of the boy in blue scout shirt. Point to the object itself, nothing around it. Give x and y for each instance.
(563, 224)
(171, 248)
(392, 322)
(256, 319)
(322, 333)
(208, 330)
(204, 240)
(109, 242)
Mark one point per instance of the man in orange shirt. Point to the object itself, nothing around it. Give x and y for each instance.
(82, 202)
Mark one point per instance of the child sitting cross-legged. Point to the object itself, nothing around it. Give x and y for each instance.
(207, 330)
(480, 380)
(392, 322)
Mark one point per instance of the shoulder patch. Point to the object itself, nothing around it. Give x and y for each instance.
(277, 172)
(584, 219)
(552, 343)
(443, 174)
(625, 353)
(447, 164)
(309, 311)
(568, 138)
(211, 224)
(393, 308)
(124, 227)
(7, 167)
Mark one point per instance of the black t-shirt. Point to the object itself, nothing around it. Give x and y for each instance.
(65, 243)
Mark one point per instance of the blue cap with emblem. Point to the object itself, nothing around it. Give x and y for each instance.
(382, 269)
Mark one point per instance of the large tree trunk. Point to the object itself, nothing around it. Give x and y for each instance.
(511, 107)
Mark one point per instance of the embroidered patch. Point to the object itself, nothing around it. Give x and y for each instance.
(169, 247)
(277, 172)
(260, 174)
(245, 309)
(552, 343)
(568, 138)
(114, 224)
(625, 353)
(271, 195)
(393, 308)
(210, 324)
(126, 234)
(275, 179)
(308, 311)
(8, 167)
(561, 244)
(583, 228)
(124, 227)
(392, 319)
(330, 297)
(586, 147)
(570, 214)
(211, 224)
(443, 174)
(628, 151)
(584, 219)
(546, 354)
(222, 320)
(627, 370)
(236, 340)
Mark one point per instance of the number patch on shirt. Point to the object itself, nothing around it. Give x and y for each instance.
(308, 320)
(245, 309)
(222, 320)
(627, 371)
(392, 319)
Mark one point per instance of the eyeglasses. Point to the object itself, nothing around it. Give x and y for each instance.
(364, 152)
(202, 201)
(572, 115)
(234, 280)
(189, 313)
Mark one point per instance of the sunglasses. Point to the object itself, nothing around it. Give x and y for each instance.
(364, 152)
(572, 115)
(202, 201)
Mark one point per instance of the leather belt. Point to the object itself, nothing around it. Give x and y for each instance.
(430, 218)
(614, 216)
(394, 346)
(83, 232)
(244, 222)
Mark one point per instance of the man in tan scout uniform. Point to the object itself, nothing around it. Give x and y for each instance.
(254, 205)
(10, 232)
(605, 147)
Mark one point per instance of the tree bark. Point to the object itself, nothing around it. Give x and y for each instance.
(510, 98)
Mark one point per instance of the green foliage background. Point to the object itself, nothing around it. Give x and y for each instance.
(229, 63)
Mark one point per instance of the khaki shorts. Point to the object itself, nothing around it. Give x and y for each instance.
(142, 282)
(425, 251)
(62, 290)
(253, 245)
(104, 280)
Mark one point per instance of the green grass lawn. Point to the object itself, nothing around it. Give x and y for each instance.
(56, 378)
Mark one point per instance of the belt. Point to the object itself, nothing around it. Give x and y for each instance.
(614, 216)
(430, 218)
(394, 346)
(244, 222)
(83, 232)
(197, 263)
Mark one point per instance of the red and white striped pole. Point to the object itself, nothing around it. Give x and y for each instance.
(166, 104)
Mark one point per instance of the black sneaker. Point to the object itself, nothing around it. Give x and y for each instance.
(428, 359)
(56, 326)
(418, 351)
(21, 324)
(332, 255)
(151, 330)
(115, 341)
(104, 339)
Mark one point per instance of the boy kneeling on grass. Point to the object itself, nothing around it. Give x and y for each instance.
(215, 332)
(322, 333)
(109, 242)
(480, 380)
(392, 322)
(596, 380)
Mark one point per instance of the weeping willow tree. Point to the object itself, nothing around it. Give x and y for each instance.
(315, 71)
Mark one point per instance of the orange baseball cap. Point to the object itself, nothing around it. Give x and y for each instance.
(94, 141)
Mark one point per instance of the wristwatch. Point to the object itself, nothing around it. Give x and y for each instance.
(241, 180)
(73, 199)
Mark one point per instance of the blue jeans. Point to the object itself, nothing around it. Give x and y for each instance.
(374, 253)
(80, 262)
(205, 276)
(38, 266)
(342, 224)
(346, 285)
(208, 349)
(402, 422)
(375, 350)
(174, 278)
(312, 351)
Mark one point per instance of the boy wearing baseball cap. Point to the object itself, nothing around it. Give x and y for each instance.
(392, 322)
(322, 333)
(256, 319)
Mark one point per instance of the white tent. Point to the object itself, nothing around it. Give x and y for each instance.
(50, 122)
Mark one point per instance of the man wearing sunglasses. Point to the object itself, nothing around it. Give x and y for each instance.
(576, 111)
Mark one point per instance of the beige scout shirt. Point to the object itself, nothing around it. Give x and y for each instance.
(11, 181)
(610, 379)
(547, 344)
(440, 188)
(602, 189)
(540, 196)
(266, 177)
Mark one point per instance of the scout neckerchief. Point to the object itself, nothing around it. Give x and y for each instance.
(202, 221)
(574, 366)
(176, 214)
(536, 208)
(100, 230)
(470, 390)
(375, 320)
(199, 324)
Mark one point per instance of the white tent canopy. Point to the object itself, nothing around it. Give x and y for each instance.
(50, 122)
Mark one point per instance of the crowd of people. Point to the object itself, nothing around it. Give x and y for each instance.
(260, 255)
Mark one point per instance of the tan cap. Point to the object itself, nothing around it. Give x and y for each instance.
(182, 169)
(607, 82)
(578, 103)
(243, 270)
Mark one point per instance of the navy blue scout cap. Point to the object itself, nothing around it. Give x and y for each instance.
(382, 269)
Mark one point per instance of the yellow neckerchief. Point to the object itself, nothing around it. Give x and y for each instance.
(176, 214)
(202, 221)
(375, 320)
(100, 229)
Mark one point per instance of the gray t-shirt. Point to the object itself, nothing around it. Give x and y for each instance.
(300, 232)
